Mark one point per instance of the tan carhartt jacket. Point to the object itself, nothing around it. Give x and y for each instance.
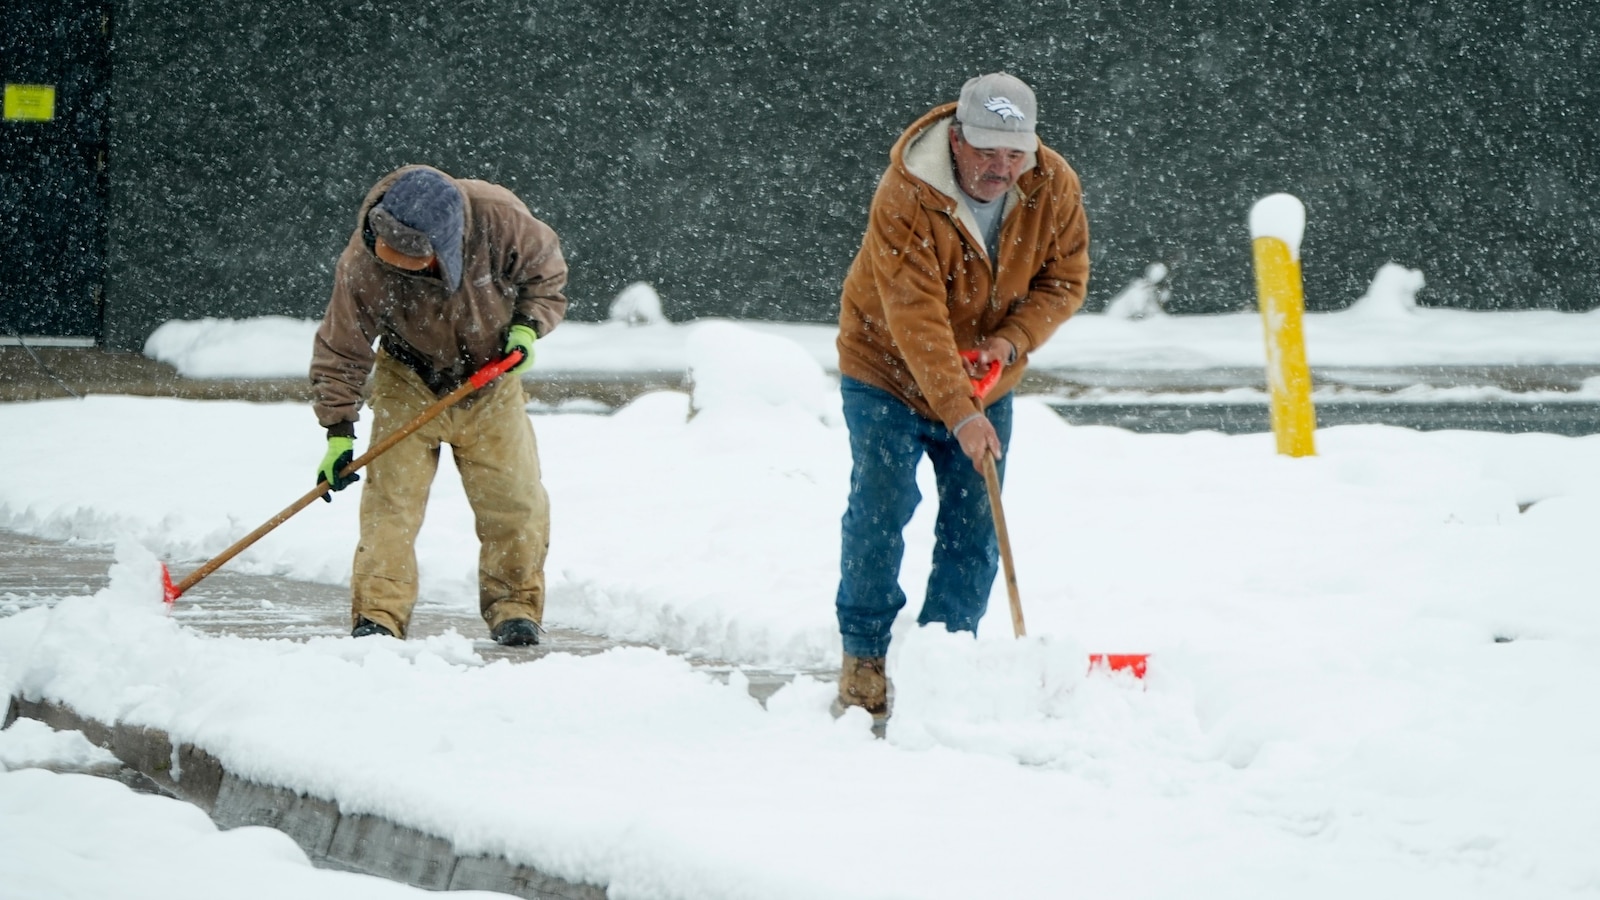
(922, 287)
(512, 270)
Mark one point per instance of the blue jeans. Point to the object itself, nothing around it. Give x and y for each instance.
(887, 441)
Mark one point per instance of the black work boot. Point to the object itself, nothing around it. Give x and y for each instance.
(516, 633)
(365, 627)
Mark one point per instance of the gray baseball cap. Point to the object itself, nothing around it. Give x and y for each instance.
(998, 110)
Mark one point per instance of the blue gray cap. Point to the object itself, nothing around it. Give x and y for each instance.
(422, 215)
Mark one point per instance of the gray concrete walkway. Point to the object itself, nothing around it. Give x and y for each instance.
(34, 572)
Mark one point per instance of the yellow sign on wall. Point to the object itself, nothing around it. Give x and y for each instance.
(30, 102)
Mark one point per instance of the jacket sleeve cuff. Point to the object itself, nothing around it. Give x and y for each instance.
(342, 429)
(530, 321)
(959, 413)
(955, 430)
(1018, 339)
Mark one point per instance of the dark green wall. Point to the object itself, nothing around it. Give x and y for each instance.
(54, 176)
(726, 151)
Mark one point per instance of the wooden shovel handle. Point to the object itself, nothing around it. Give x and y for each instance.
(991, 477)
(481, 378)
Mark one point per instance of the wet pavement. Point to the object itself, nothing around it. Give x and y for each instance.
(34, 572)
(1572, 418)
(1505, 399)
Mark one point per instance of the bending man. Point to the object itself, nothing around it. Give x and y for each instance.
(445, 275)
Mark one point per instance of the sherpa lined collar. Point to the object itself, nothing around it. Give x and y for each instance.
(927, 156)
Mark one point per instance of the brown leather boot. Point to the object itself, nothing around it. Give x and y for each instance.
(862, 683)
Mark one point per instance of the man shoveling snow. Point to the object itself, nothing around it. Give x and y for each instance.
(976, 241)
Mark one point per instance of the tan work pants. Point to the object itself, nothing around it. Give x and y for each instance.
(494, 449)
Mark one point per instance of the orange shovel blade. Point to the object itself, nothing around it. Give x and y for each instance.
(1134, 663)
(169, 591)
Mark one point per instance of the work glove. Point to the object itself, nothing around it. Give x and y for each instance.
(521, 337)
(340, 451)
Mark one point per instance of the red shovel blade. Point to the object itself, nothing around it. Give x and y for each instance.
(169, 591)
(1134, 663)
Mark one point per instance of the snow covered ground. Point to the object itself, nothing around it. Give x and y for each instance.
(1372, 670)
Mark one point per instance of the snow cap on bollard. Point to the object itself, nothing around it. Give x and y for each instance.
(1280, 216)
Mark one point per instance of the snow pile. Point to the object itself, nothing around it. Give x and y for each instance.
(265, 347)
(29, 744)
(996, 696)
(1392, 294)
(1143, 297)
(637, 304)
(737, 371)
(1385, 328)
(758, 444)
(138, 846)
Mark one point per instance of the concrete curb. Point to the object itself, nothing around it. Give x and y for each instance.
(331, 839)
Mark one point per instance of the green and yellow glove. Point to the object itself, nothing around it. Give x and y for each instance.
(341, 450)
(521, 337)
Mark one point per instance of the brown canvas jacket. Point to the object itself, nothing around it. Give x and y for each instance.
(511, 270)
(922, 287)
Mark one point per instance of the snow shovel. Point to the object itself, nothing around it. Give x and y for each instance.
(1133, 663)
(477, 382)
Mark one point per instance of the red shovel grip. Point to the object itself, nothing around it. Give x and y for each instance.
(494, 370)
(981, 386)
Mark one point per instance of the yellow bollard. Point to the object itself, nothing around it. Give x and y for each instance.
(1276, 224)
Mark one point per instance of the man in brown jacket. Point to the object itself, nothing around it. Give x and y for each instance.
(445, 275)
(976, 242)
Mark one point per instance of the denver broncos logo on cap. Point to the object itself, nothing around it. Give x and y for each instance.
(1003, 108)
